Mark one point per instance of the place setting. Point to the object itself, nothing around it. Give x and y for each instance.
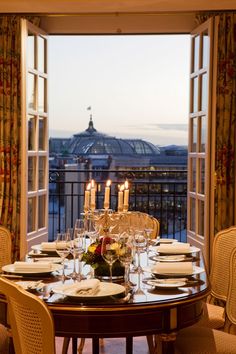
(27, 269)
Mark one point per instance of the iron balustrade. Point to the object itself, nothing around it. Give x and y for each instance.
(161, 193)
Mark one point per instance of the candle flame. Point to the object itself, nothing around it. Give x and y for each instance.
(92, 183)
(88, 186)
(108, 183)
(126, 185)
(121, 188)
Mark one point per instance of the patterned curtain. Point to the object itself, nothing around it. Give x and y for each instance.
(225, 124)
(10, 126)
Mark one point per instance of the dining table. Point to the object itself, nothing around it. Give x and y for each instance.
(149, 307)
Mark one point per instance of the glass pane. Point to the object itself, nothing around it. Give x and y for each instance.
(192, 215)
(42, 166)
(42, 210)
(196, 53)
(31, 214)
(202, 176)
(203, 134)
(205, 49)
(30, 51)
(41, 54)
(31, 82)
(31, 132)
(204, 93)
(194, 135)
(31, 173)
(42, 134)
(41, 93)
(193, 175)
(195, 94)
(201, 217)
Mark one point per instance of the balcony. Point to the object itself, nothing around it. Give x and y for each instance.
(161, 193)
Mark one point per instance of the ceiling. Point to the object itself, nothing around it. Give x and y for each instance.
(109, 6)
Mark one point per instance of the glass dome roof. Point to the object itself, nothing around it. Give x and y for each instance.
(91, 142)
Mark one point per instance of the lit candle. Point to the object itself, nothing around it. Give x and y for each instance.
(126, 196)
(120, 198)
(107, 195)
(86, 197)
(93, 195)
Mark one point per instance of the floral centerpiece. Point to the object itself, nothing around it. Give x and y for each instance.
(94, 258)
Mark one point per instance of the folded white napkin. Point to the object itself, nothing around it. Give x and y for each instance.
(84, 287)
(36, 266)
(173, 268)
(175, 247)
(48, 245)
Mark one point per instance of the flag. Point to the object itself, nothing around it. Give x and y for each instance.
(89, 108)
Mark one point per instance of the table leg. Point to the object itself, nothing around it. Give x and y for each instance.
(74, 345)
(167, 342)
(129, 345)
(95, 344)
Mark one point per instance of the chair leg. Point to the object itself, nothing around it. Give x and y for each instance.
(65, 346)
(81, 345)
(150, 342)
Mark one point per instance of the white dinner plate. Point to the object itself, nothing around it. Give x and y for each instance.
(192, 249)
(54, 260)
(165, 283)
(40, 249)
(167, 240)
(171, 258)
(196, 270)
(105, 289)
(10, 268)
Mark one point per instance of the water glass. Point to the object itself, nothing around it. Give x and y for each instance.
(109, 250)
(63, 248)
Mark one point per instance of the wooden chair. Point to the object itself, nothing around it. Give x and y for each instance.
(31, 322)
(200, 340)
(6, 245)
(4, 340)
(223, 245)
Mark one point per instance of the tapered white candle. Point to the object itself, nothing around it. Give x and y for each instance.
(120, 198)
(86, 197)
(126, 196)
(107, 195)
(93, 195)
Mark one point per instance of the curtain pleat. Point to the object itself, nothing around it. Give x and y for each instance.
(10, 125)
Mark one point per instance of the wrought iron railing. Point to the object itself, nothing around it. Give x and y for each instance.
(162, 194)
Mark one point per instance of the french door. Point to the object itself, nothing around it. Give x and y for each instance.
(201, 136)
(34, 187)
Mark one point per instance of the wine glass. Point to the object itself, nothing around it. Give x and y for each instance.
(110, 251)
(140, 243)
(148, 231)
(63, 247)
(126, 247)
(79, 244)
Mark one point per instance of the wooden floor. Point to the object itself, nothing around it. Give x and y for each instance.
(109, 346)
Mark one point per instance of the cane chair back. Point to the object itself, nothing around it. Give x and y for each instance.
(119, 223)
(31, 322)
(6, 246)
(199, 340)
(224, 243)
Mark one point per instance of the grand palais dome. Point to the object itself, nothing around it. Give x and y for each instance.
(91, 142)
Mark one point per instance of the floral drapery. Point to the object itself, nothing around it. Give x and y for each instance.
(225, 123)
(10, 128)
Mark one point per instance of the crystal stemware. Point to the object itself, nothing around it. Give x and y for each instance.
(79, 243)
(63, 247)
(140, 243)
(126, 255)
(109, 250)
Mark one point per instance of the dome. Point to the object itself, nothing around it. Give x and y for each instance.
(91, 142)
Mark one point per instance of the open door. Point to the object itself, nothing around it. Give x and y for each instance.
(34, 186)
(200, 149)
